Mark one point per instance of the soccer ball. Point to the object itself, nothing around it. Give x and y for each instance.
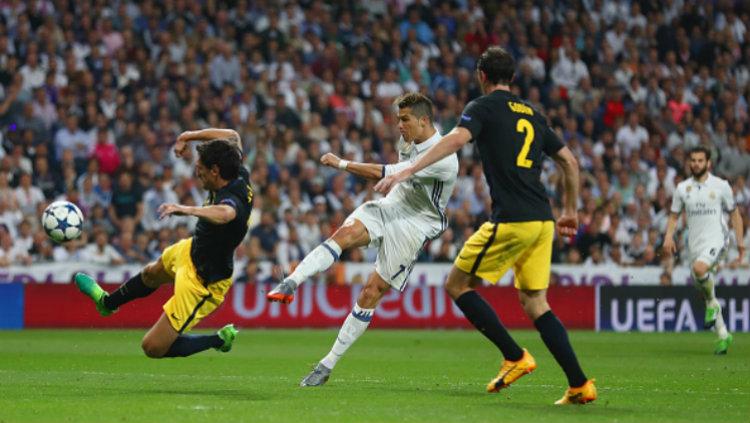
(63, 221)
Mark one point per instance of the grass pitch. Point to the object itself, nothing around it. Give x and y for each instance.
(388, 376)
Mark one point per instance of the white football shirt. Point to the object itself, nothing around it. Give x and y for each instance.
(704, 205)
(425, 195)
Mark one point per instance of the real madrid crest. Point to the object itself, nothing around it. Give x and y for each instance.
(712, 195)
(690, 187)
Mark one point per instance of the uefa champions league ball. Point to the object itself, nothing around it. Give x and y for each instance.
(63, 221)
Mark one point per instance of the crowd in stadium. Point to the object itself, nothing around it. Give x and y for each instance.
(93, 94)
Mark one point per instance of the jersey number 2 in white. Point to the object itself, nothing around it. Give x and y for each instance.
(525, 127)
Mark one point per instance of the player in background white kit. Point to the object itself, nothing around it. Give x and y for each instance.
(705, 198)
(398, 225)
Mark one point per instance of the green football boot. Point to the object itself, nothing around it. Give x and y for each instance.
(722, 345)
(88, 286)
(227, 334)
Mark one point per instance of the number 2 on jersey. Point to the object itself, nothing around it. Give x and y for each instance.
(525, 127)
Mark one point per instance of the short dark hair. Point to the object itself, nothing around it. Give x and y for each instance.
(497, 64)
(222, 153)
(419, 103)
(700, 149)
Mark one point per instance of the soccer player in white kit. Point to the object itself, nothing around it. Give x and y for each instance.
(705, 198)
(399, 225)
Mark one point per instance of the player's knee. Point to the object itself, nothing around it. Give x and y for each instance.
(153, 274)
(456, 284)
(699, 270)
(148, 274)
(453, 289)
(534, 303)
(535, 309)
(350, 234)
(370, 296)
(344, 237)
(152, 348)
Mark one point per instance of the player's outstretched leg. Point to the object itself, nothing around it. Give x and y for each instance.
(319, 260)
(88, 286)
(187, 345)
(162, 340)
(354, 326)
(135, 287)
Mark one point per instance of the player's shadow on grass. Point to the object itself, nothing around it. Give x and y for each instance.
(440, 390)
(229, 394)
(596, 408)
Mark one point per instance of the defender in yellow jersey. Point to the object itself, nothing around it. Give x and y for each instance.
(201, 266)
(512, 139)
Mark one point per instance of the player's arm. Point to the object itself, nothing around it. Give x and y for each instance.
(675, 211)
(364, 170)
(449, 144)
(567, 223)
(739, 234)
(218, 214)
(728, 203)
(669, 245)
(206, 134)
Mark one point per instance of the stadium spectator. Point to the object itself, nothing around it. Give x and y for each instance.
(28, 196)
(101, 251)
(303, 79)
(126, 201)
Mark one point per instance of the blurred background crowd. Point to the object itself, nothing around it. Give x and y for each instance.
(94, 93)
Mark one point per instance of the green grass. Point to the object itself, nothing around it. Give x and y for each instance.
(388, 376)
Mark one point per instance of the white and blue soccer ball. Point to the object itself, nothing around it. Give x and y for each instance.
(63, 221)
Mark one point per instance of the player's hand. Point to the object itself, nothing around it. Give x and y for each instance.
(169, 209)
(179, 148)
(330, 160)
(567, 224)
(386, 184)
(181, 145)
(669, 247)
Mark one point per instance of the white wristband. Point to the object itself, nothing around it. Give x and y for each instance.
(343, 164)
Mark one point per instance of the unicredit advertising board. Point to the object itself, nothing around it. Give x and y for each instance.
(316, 305)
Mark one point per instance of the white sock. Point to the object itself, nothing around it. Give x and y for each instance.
(707, 286)
(319, 260)
(354, 326)
(720, 328)
(709, 291)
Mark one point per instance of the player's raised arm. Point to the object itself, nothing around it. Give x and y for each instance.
(206, 134)
(447, 145)
(364, 170)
